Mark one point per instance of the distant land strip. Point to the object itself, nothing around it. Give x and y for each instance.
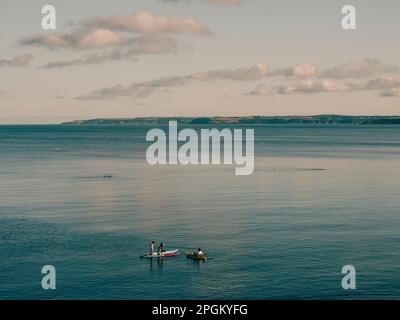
(313, 119)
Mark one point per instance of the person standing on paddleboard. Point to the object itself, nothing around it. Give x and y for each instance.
(152, 247)
(161, 248)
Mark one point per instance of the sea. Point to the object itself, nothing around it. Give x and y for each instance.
(83, 198)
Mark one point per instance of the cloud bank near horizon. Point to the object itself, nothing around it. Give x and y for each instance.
(19, 60)
(298, 79)
(142, 89)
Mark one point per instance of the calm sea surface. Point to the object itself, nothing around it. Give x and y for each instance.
(83, 198)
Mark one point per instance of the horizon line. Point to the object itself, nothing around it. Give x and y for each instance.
(209, 117)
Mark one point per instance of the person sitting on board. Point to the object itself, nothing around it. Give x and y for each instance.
(152, 247)
(161, 249)
(199, 253)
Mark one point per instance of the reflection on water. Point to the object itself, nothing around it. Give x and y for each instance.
(198, 264)
(156, 264)
(320, 198)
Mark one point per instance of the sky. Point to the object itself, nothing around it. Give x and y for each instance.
(138, 58)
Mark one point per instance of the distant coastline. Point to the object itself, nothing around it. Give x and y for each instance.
(312, 119)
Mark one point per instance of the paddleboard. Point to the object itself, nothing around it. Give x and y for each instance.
(171, 253)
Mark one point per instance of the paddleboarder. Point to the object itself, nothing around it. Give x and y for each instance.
(152, 247)
(161, 248)
(199, 253)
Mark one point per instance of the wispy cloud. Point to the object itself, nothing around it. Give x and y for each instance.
(316, 86)
(141, 89)
(355, 69)
(86, 60)
(137, 46)
(118, 37)
(102, 32)
(256, 72)
(394, 92)
(146, 22)
(81, 39)
(383, 82)
(261, 90)
(300, 70)
(17, 61)
(312, 80)
(387, 83)
(307, 76)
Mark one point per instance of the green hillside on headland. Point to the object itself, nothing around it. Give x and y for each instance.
(314, 119)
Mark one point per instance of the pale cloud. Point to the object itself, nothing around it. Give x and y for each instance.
(52, 40)
(91, 59)
(314, 82)
(300, 70)
(261, 90)
(365, 68)
(118, 37)
(309, 84)
(316, 86)
(142, 89)
(394, 92)
(304, 70)
(146, 22)
(388, 84)
(382, 83)
(256, 72)
(81, 39)
(151, 44)
(354, 69)
(17, 61)
(137, 46)
(100, 38)
(137, 90)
